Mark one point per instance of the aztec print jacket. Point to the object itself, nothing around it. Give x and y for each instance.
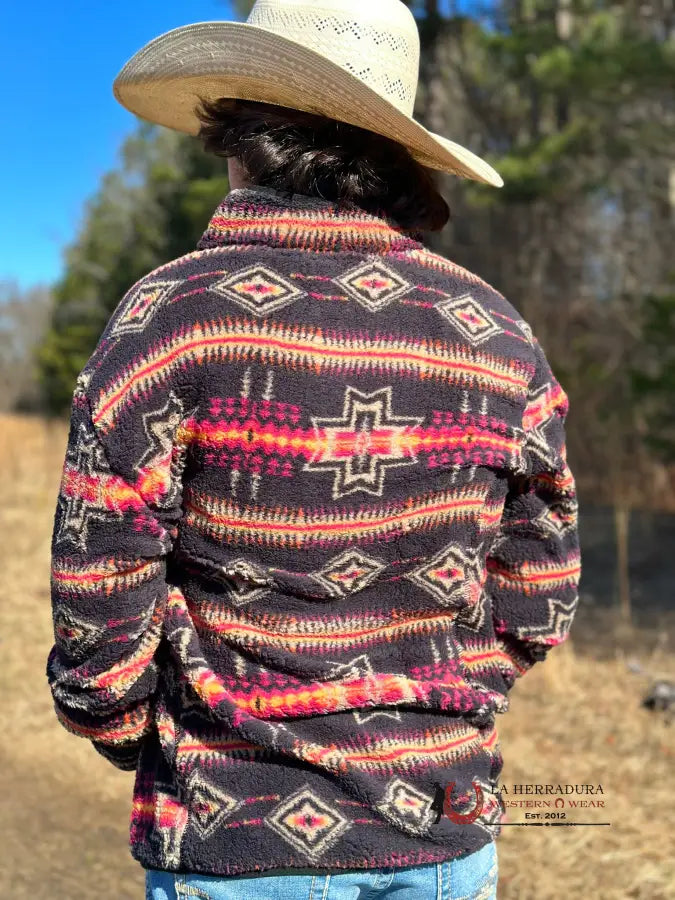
(315, 519)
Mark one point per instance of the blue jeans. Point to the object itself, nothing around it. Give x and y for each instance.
(472, 877)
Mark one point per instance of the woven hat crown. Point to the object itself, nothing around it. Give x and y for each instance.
(377, 41)
(356, 61)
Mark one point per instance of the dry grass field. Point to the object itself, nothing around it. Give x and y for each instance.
(575, 719)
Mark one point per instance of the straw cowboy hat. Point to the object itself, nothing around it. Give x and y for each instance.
(356, 61)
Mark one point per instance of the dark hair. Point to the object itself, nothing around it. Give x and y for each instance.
(293, 150)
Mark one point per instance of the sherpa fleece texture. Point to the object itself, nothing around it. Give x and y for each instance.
(315, 519)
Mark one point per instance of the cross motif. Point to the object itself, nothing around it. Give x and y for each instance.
(81, 499)
(362, 443)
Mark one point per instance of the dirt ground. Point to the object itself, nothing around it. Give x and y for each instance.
(574, 720)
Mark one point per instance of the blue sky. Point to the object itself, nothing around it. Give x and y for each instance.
(62, 126)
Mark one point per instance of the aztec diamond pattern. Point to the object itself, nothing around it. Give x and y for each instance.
(473, 616)
(160, 426)
(374, 285)
(75, 635)
(140, 307)
(362, 443)
(361, 667)
(560, 614)
(349, 572)
(246, 581)
(241, 595)
(79, 510)
(538, 443)
(209, 805)
(453, 576)
(170, 821)
(309, 824)
(557, 518)
(258, 289)
(470, 318)
(409, 807)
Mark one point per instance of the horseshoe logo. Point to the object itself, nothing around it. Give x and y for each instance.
(463, 818)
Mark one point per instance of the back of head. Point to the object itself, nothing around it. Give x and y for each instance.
(301, 152)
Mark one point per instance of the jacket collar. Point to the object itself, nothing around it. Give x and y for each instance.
(262, 215)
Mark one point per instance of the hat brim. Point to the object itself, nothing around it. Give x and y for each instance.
(164, 81)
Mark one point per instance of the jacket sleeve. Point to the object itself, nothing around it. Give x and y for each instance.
(116, 515)
(533, 568)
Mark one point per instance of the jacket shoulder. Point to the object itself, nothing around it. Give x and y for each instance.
(143, 313)
(147, 317)
(451, 282)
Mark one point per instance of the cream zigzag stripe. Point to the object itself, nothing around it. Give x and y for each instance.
(102, 576)
(389, 754)
(310, 348)
(299, 528)
(339, 635)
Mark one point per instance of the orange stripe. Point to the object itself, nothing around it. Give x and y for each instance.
(413, 440)
(530, 578)
(300, 348)
(131, 726)
(276, 636)
(308, 528)
(212, 746)
(416, 749)
(84, 576)
(473, 657)
(328, 225)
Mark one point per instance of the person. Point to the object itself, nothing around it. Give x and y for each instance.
(316, 515)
